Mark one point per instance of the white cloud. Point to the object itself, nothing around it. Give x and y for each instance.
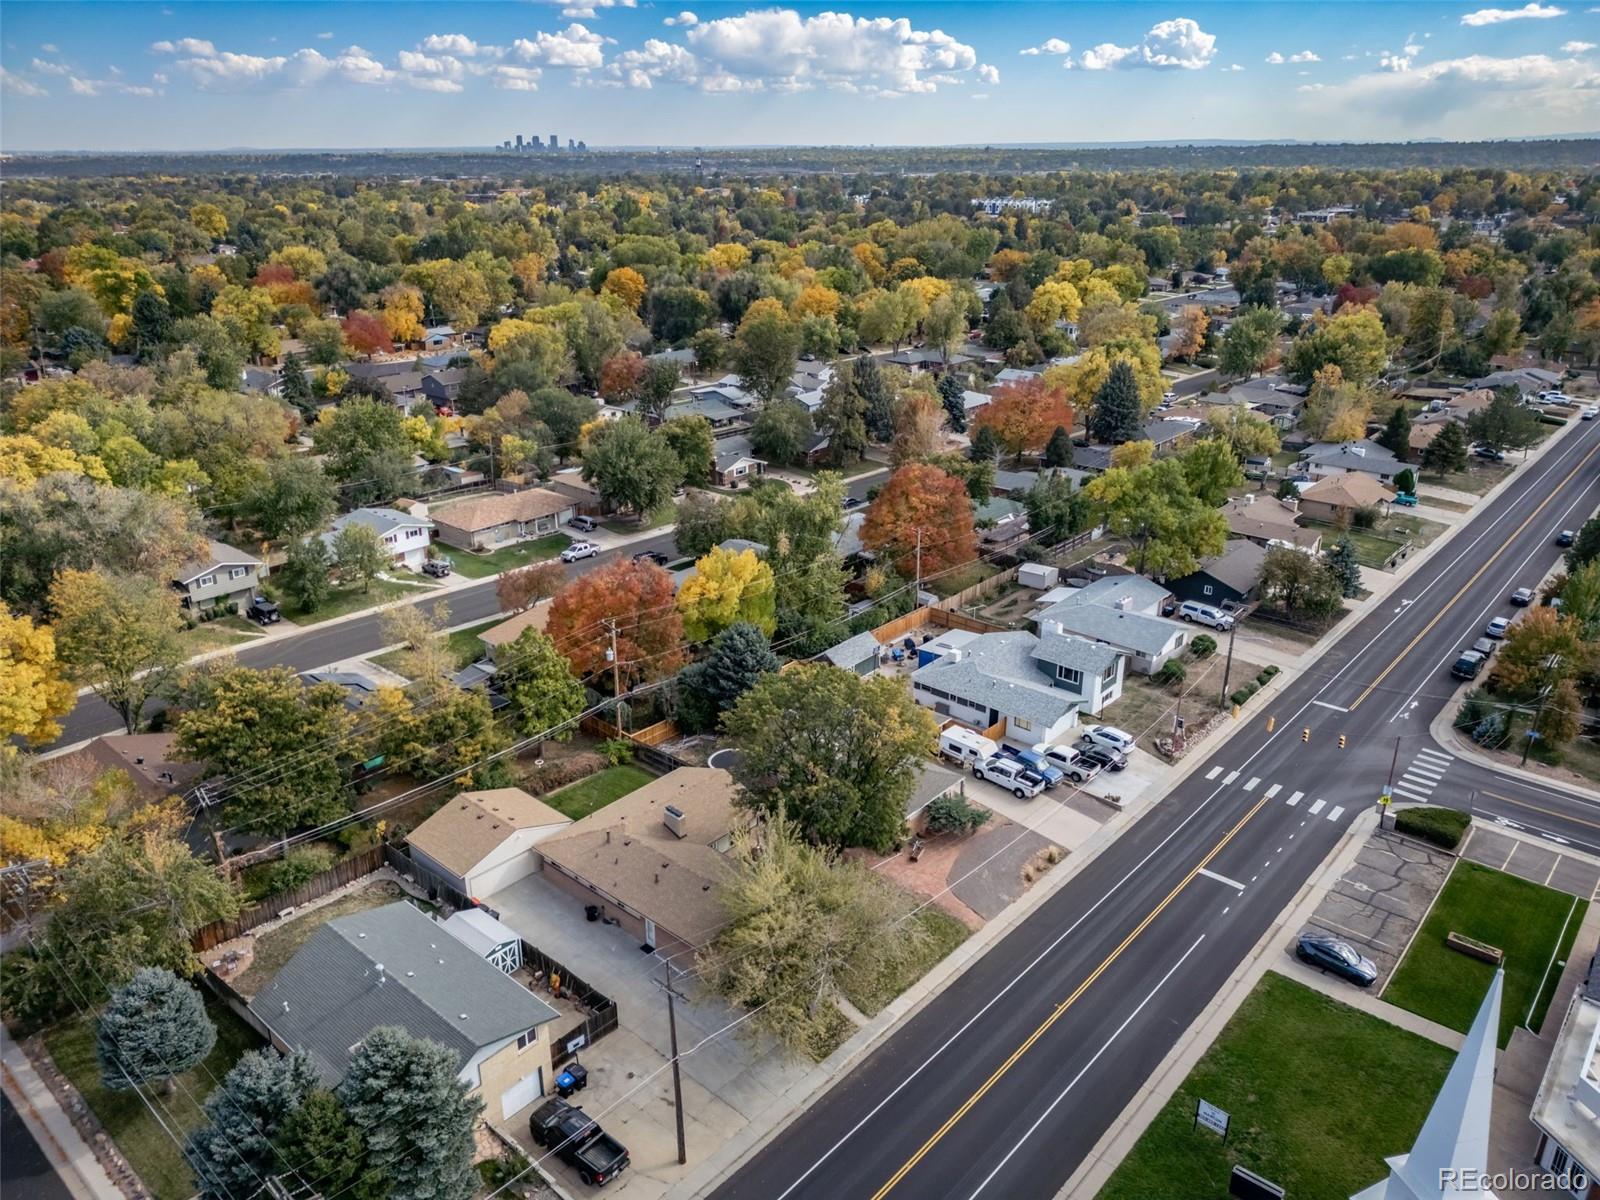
(1478, 88)
(588, 9)
(458, 44)
(988, 74)
(228, 70)
(1569, 47)
(51, 68)
(1179, 44)
(1531, 11)
(50, 47)
(16, 85)
(574, 46)
(96, 87)
(429, 72)
(1048, 46)
(1396, 62)
(83, 87)
(685, 18)
(326, 36)
(1233, 67)
(1304, 56)
(195, 46)
(652, 61)
(160, 77)
(515, 79)
(980, 95)
(777, 49)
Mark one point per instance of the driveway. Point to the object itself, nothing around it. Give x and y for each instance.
(1064, 815)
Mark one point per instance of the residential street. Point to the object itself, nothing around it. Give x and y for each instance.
(1003, 1082)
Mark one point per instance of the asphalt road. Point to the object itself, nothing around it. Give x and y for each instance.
(24, 1169)
(318, 646)
(1002, 1084)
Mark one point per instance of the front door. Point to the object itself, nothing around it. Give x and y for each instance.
(650, 933)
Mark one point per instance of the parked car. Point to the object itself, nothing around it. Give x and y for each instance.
(579, 550)
(1566, 537)
(1468, 665)
(581, 522)
(1330, 954)
(1497, 627)
(1555, 397)
(263, 611)
(965, 746)
(1019, 780)
(1204, 614)
(1103, 757)
(1485, 646)
(1589, 413)
(651, 556)
(1037, 763)
(1405, 500)
(1257, 466)
(852, 502)
(1077, 767)
(437, 567)
(1116, 739)
(1169, 397)
(1522, 597)
(591, 1151)
(1488, 452)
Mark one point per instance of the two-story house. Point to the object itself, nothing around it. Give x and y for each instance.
(1021, 688)
(221, 575)
(406, 534)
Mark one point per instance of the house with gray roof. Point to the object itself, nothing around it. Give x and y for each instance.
(1033, 687)
(735, 461)
(859, 654)
(405, 534)
(1128, 593)
(221, 576)
(396, 966)
(1147, 641)
(1339, 458)
(1017, 484)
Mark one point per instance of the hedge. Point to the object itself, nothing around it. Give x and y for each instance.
(1441, 826)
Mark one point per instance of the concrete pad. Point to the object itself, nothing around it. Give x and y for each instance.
(987, 875)
(1056, 815)
(1575, 877)
(1488, 848)
(1533, 863)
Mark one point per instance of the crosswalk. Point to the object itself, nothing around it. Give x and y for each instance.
(1423, 776)
(1317, 806)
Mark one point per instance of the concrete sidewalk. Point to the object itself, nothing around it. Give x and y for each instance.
(58, 1137)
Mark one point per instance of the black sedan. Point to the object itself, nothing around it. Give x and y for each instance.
(651, 556)
(1330, 954)
(1102, 756)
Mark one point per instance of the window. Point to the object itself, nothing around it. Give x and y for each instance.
(1070, 675)
(205, 581)
(1206, 591)
(238, 572)
(1021, 722)
(527, 1039)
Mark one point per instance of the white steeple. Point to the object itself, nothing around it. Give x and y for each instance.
(1455, 1137)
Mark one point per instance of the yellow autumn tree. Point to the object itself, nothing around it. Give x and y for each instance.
(728, 256)
(24, 458)
(209, 220)
(817, 301)
(34, 689)
(1082, 379)
(1053, 300)
(727, 587)
(402, 312)
(626, 285)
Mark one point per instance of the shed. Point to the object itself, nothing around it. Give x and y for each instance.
(1038, 576)
(859, 654)
(480, 932)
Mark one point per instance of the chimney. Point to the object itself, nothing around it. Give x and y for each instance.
(1124, 603)
(1249, 497)
(672, 816)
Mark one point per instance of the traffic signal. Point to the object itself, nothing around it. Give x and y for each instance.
(1305, 734)
(1341, 741)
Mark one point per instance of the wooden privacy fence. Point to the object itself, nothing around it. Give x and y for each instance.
(602, 1018)
(319, 885)
(647, 752)
(940, 618)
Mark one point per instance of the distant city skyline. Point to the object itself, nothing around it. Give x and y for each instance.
(192, 76)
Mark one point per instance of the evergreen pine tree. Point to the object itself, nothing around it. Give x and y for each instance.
(1396, 435)
(872, 388)
(297, 388)
(1447, 452)
(950, 392)
(402, 1093)
(1058, 451)
(985, 446)
(1118, 416)
(1342, 562)
(236, 1146)
(152, 322)
(321, 1147)
(155, 1027)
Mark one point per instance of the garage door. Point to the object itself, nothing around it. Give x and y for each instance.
(488, 882)
(521, 1094)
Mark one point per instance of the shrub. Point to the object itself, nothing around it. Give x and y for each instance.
(1365, 517)
(951, 813)
(1172, 672)
(233, 608)
(294, 870)
(617, 751)
(1265, 677)
(1203, 645)
(1441, 826)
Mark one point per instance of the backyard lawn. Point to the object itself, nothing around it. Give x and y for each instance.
(478, 566)
(346, 600)
(1318, 1094)
(1374, 546)
(600, 789)
(1534, 925)
(147, 1147)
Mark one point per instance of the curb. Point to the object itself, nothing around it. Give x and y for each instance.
(1443, 731)
(1165, 1080)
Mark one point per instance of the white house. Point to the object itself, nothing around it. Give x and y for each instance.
(1033, 687)
(406, 534)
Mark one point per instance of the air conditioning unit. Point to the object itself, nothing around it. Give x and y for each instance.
(674, 819)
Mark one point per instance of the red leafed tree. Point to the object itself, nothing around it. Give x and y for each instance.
(638, 599)
(619, 376)
(1024, 414)
(1351, 296)
(921, 498)
(367, 334)
(269, 274)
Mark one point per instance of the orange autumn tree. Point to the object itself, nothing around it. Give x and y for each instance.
(366, 334)
(635, 597)
(1023, 415)
(921, 498)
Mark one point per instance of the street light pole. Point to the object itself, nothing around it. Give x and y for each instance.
(677, 1077)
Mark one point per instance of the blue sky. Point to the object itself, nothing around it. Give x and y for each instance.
(627, 72)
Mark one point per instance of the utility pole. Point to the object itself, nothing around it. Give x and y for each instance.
(917, 597)
(1227, 667)
(1388, 787)
(616, 674)
(1550, 665)
(677, 1077)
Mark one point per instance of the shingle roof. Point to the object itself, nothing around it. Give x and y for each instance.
(1108, 590)
(1237, 567)
(1068, 650)
(332, 993)
(1365, 456)
(473, 825)
(1001, 671)
(221, 555)
(853, 650)
(1350, 490)
(1128, 630)
(486, 512)
(729, 451)
(382, 520)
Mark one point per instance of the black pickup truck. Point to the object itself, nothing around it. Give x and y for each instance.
(578, 1140)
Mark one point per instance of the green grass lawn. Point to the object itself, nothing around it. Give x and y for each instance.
(1371, 549)
(1521, 918)
(665, 515)
(129, 1122)
(478, 566)
(944, 934)
(1318, 1093)
(600, 789)
(218, 634)
(962, 577)
(346, 600)
(1479, 477)
(463, 644)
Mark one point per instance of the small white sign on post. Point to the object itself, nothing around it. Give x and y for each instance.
(577, 1043)
(1212, 1117)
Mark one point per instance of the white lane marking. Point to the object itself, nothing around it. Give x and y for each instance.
(1335, 707)
(1274, 790)
(1233, 883)
(1296, 798)
(1316, 806)
(1230, 777)
(1446, 759)
(1335, 812)
(1251, 786)
(1045, 1115)
(1400, 791)
(1425, 788)
(1214, 772)
(1425, 772)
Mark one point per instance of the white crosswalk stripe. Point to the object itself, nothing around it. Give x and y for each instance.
(1230, 777)
(1251, 786)
(1295, 799)
(1316, 806)
(1214, 772)
(1401, 792)
(1420, 785)
(1274, 790)
(1436, 756)
(1335, 813)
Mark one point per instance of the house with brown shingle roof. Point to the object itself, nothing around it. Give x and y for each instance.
(1336, 498)
(497, 637)
(654, 858)
(481, 841)
(489, 522)
(1269, 522)
(146, 757)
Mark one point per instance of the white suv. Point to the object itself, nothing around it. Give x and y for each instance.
(1204, 614)
(1014, 776)
(1108, 736)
